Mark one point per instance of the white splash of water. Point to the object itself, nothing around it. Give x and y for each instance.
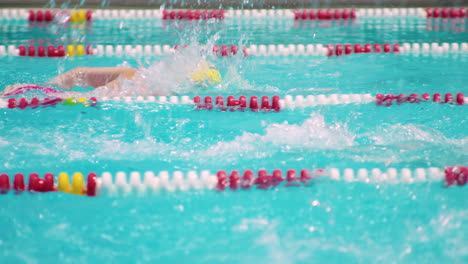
(313, 133)
(171, 74)
(411, 132)
(394, 144)
(139, 149)
(404, 143)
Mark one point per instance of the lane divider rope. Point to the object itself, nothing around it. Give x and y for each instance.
(48, 15)
(47, 184)
(221, 180)
(232, 50)
(253, 103)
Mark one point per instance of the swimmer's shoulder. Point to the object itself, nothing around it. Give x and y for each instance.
(129, 72)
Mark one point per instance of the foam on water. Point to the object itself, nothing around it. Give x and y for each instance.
(171, 74)
(313, 133)
(411, 132)
(168, 76)
(144, 141)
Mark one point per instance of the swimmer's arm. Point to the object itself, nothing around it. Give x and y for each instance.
(94, 77)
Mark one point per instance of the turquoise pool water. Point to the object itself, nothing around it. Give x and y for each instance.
(231, 31)
(327, 222)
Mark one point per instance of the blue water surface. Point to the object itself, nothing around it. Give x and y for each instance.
(324, 222)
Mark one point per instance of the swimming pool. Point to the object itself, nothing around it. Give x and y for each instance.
(359, 219)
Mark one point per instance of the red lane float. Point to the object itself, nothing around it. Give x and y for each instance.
(456, 175)
(91, 186)
(35, 102)
(89, 15)
(18, 183)
(324, 14)
(389, 99)
(4, 183)
(36, 184)
(264, 180)
(234, 180)
(192, 14)
(238, 105)
(52, 51)
(337, 50)
(221, 50)
(41, 15)
(446, 12)
(48, 15)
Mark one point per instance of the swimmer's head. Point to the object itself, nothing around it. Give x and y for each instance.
(205, 75)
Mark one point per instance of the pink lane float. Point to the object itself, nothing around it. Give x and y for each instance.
(225, 51)
(446, 12)
(347, 49)
(238, 105)
(192, 14)
(389, 99)
(456, 175)
(324, 14)
(221, 50)
(264, 180)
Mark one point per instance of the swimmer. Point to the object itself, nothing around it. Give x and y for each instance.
(111, 78)
(85, 77)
